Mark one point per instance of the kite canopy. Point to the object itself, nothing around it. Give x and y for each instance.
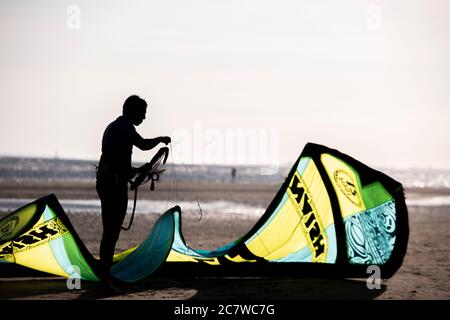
(333, 216)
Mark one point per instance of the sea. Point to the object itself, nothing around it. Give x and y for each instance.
(54, 170)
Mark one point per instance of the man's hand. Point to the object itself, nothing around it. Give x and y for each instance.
(165, 140)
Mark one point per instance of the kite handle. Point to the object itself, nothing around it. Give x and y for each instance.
(152, 174)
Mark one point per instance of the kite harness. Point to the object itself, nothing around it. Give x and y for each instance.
(148, 172)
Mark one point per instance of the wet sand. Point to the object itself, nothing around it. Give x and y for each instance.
(425, 273)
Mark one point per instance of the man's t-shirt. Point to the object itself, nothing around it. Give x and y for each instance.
(117, 146)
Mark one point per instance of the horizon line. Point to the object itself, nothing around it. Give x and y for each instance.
(284, 164)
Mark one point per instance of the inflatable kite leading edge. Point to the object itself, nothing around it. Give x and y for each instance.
(333, 216)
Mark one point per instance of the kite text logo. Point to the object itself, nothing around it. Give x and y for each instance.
(51, 229)
(8, 227)
(348, 186)
(298, 194)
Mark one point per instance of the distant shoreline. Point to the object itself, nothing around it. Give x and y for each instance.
(231, 190)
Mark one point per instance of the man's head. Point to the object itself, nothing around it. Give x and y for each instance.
(135, 108)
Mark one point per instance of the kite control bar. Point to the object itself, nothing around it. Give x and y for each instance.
(151, 170)
(148, 172)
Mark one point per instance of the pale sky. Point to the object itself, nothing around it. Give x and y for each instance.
(370, 78)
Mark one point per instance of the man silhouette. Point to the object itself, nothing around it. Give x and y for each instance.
(115, 171)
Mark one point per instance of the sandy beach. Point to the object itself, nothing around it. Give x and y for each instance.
(425, 273)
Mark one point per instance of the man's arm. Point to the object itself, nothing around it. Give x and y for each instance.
(148, 144)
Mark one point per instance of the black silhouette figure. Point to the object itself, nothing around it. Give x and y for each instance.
(115, 171)
(233, 174)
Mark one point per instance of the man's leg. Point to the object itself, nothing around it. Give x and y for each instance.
(114, 206)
